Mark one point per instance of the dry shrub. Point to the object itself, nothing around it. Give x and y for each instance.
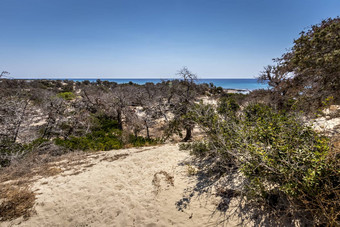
(16, 201)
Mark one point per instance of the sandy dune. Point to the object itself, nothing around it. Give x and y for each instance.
(131, 187)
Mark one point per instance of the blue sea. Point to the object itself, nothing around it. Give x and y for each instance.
(244, 84)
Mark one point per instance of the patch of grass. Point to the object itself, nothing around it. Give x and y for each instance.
(142, 141)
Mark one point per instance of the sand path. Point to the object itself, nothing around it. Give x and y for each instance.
(124, 190)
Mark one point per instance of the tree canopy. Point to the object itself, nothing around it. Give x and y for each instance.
(310, 71)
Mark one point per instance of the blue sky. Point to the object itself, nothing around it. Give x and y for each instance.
(150, 38)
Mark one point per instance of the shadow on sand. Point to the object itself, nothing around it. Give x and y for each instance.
(227, 185)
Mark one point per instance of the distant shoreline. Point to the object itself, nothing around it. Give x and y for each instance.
(230, 85)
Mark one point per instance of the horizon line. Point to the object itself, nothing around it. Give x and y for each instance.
(126, 78)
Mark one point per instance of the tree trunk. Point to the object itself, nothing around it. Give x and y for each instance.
(147, 132)
(169, 99)
(188, 134)
(119, 119)
(20, 121)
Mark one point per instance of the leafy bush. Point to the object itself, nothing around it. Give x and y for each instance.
(288, 159)
(227, 105)
(288, 166)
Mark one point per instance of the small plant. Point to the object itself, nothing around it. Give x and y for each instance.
(200, 148)
(184, 146)
(191, 170)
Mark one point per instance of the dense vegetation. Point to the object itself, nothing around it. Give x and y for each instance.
(63, 116)
(287, 167)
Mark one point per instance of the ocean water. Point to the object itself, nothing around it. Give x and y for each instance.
(244, 84)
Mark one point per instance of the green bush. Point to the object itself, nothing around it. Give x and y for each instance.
(184, 146)
(100, 140)
(309, 71)
(227, 105)
(95, 142)
(199, 149)
(9, 150)
(287, 165)
(104, 136)
(105, 123)
(289, 160)
(67, 95)
(284, 152)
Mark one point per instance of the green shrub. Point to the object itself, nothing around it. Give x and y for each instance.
(104, 136)
(91, 142)
(288, 159)
(184, 146)
(105, 123)
(197, 148)
(287, 165)
(227, 105)
(278, 144)
(67, 95)
(141, 141)
(8, 151)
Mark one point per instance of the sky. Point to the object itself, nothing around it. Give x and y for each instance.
(151, 38)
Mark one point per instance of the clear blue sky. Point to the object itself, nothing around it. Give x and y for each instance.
(150, 38)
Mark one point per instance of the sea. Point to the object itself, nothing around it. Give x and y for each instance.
(239, 84)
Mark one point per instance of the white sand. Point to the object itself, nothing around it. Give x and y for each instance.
(121, 193)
